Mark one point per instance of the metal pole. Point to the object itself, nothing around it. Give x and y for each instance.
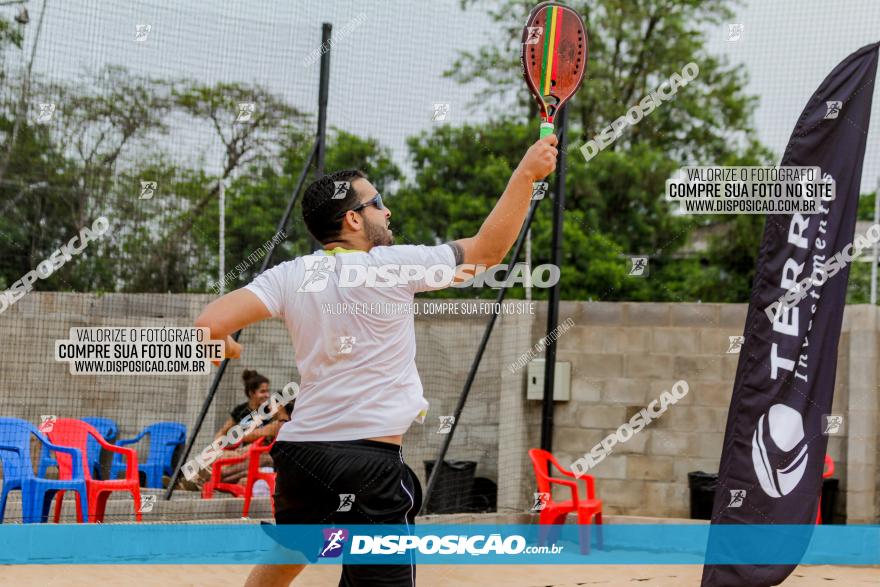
(876, 248)
(323, 92)
(475, 364)
(315, 155)
(528, 279)
(222, 252)
(553, 302)
(212, 391)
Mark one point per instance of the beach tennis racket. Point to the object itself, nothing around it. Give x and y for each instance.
(554, 57)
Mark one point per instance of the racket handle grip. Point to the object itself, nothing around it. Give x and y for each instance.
(546, 129)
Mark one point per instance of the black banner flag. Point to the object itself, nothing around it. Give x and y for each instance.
(774, 445)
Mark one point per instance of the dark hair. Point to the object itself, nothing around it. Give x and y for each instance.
(319, 208)
(252, 381)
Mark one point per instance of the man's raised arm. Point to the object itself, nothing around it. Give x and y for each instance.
(499, 231)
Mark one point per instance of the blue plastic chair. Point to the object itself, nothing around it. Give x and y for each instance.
(165, 437)
(18, 472)
(108, 430)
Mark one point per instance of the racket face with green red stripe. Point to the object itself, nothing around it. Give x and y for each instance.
(554, 57)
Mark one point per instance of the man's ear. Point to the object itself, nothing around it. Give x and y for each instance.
(354, 221)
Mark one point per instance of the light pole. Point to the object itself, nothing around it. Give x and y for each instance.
(222, 251)
(874, 257)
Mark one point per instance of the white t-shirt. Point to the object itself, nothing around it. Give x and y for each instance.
(356, 360)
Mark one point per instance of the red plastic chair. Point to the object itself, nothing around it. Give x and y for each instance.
(75, 433)
(555, 512)
(827, 471)
(255, 450)
(254, 474)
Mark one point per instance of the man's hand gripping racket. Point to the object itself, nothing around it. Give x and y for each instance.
(540, 160)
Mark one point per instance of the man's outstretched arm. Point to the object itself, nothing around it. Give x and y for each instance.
(499, 231)
(230, 313)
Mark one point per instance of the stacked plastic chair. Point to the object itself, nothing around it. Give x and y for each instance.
(107, 429)
(18, 472)
(76, 433)
(165, 437)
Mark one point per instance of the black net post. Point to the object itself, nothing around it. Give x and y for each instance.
(553, 302)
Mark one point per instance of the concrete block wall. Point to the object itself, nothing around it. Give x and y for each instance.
(622, 355)
(860, 471)
(625, 355)
(32, 383)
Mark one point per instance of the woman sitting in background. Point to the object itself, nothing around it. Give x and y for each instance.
(256, 388)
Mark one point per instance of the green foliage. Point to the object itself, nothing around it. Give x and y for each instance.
(10, 34)
(256, 201)
(866, 207)
(35, 204)
(614, 203)
(859, 288)
(113, 127)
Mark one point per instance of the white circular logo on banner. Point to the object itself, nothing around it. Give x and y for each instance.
(784, 427)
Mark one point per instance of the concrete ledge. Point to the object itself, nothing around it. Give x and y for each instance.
(184, 506)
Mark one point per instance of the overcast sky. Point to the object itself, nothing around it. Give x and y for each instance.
(386, 71)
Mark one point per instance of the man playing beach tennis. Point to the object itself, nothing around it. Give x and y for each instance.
(339, 460)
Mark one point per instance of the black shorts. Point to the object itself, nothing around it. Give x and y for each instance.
(345, 483)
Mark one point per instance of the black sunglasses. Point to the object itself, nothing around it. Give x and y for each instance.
(377, 201)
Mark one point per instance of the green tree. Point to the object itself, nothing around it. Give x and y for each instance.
(866, 206)
(614, 203)
(256, 201)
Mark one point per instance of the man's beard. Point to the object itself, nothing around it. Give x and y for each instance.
(379, 236)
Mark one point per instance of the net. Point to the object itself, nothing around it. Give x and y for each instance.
(153, 153)
(150, 150)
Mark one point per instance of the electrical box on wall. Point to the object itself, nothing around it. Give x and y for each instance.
(561, 381)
